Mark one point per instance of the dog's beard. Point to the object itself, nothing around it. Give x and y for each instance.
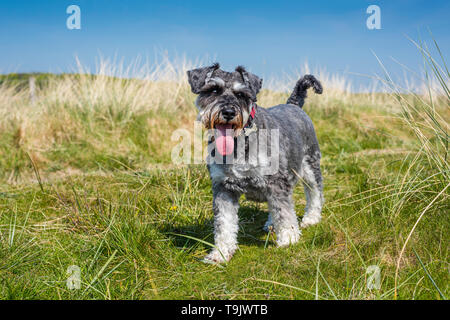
(211, 117)
(224, 131)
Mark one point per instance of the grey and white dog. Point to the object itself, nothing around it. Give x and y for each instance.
(227, 103)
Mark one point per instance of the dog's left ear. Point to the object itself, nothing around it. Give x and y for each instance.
(198, 77)
(251, 80)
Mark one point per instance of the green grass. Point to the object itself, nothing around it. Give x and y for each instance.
(131, 229)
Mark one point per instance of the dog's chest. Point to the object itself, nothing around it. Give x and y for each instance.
(238, 177)
(248, 171)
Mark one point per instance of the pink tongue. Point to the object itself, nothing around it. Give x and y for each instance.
(224, 139)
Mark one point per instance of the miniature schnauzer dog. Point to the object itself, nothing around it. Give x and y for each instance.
(227, 106)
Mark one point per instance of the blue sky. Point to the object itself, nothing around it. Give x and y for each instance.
(268, 37)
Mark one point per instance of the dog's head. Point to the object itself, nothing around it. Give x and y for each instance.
(225, 99)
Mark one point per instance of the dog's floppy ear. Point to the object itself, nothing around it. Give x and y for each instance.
(251, 80)
(198, 77)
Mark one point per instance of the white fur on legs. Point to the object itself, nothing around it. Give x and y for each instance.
(313, 193)
(226, 226)
(284, 221)
(313, 205)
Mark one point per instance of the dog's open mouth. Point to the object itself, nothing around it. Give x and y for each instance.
(225, 138)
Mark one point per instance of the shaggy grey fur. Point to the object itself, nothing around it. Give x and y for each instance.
(299, 156)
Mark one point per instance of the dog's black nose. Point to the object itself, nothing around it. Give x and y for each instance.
(228, 113)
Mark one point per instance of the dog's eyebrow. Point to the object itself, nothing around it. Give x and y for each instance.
(238, 86)
(215, 81)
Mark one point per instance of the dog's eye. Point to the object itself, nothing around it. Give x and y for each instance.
(240, 95)
(215, 90)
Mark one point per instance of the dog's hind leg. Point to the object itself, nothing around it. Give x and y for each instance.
(312, 183)
(226, 226)
(284, 219)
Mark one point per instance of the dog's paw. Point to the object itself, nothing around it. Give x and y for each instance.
(216, 257)
(288, 236)
(309, 220)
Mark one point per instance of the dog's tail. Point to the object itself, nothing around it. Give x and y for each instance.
(299, 94)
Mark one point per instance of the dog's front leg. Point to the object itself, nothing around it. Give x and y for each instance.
(226, 226)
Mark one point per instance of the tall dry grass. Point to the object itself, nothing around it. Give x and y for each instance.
(426, 115)
(72, 104)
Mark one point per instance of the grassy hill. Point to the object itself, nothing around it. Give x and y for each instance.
(86, 179)
(21, 80)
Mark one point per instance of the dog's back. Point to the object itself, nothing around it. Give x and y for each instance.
(296, 125)
(297, 134)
